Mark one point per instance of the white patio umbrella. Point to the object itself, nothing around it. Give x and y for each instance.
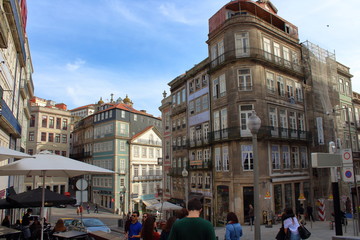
(6, 153)
(46, 164)
(164, 206)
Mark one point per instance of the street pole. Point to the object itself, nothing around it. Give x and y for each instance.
(254, 124)
(185, 174)
(355, 181)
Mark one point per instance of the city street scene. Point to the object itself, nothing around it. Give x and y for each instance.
(177, 120)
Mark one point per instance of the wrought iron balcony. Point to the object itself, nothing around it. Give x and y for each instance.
(203, 166)
(199, 142)
(8, 120)
(257, 54)
(265, 132)
(175, 172)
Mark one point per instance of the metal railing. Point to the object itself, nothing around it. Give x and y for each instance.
(235, 133)
(10, 118)
(259, 54)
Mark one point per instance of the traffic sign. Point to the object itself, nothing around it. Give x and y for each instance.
(81, 184)
(347, 174)
(346, 155)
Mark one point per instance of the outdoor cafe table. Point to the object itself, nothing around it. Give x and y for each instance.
(70, 234)
(5, 231)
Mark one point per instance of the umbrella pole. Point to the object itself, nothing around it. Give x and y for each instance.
(42, 206)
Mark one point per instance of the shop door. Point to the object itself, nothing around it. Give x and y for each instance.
(248, 197)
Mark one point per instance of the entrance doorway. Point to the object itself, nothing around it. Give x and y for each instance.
(248, 196)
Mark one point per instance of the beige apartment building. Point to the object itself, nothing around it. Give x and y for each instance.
(256, 62)
(16, 84)
(49, 129)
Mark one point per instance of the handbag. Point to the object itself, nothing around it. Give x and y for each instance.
(281, 234)
(304, 233)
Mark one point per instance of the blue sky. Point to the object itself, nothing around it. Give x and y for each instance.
(86, 49)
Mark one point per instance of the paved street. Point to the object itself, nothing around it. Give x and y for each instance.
(319, 230)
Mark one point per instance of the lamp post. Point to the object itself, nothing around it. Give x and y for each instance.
(185, 174)
(122, 200)
(254, 123)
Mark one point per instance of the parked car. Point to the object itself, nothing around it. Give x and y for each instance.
(68, 221)
(89, 225)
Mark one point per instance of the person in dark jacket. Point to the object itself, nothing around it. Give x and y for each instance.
(6, 221)
(166, 231)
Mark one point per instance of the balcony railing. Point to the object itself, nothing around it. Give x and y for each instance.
(150, 142)
(8, 120)
(259, 54)
(264, 132)
(204, 166)
(199, 142)
(175, 172)
(146, 177)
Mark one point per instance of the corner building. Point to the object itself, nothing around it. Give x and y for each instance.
(255, 65)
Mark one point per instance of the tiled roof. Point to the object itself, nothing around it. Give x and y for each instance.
(128, 108)
(86, 106)
(139, 133)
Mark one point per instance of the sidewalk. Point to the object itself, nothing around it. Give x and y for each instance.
(319, 231)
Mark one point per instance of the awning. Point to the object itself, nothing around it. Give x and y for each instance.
(150, 202)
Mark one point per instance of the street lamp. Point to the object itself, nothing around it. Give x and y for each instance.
(185, 174)
(254, 123)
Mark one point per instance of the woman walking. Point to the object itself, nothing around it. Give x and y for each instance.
(233, 227)
(166, 231)
(148, 229)
(291, 224)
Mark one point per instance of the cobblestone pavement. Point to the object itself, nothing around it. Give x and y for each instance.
(319, 230)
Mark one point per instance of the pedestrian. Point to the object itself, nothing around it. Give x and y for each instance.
(135, 227)
(59, 226)
(25, 223)
(251, 214)
(6, 221)
(148, 229)
(144, 217)
(192, 227)
(166, 230)
(127, 224)
(233, 227)
(35, 229)
(77, 210)
(88, 208)
(301, 214)
(291, 225)
(96, 210)
(309, 212)
(348, 205)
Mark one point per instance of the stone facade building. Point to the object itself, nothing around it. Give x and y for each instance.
(16, 84)
(256, 62)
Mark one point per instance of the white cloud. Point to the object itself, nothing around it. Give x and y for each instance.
(174, 13)
(75, 65)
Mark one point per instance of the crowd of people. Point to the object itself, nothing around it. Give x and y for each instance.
(30, 226)
(186, 224)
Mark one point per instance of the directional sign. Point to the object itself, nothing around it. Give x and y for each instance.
(347, 174)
